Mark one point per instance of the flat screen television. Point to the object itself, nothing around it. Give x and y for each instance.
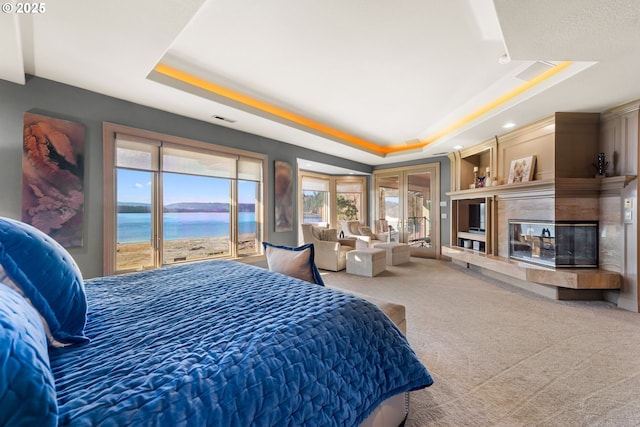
(477, 221)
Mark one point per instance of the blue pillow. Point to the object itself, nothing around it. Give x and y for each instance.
(48, 277)
(27, 387)
(296, 262)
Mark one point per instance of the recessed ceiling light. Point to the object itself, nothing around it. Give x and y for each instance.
(508, 125)
(457, 147)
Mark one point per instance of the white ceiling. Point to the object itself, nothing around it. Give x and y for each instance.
(392, 73)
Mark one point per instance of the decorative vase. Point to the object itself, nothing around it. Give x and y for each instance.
(487, 179)
(601, 166)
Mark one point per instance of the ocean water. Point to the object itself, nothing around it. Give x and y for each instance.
(136, 227)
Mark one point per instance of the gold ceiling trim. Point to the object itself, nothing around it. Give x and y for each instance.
(342, 136)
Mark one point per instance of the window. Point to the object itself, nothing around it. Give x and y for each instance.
(349, 199)
(315, 200)
(175, 200)
(327, 200)
(134, 219)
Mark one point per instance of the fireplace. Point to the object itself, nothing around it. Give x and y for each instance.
(554, 243)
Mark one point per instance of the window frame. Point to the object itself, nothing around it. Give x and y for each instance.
(110, 131)
(333, 196)
(329, 206)
(349, 179)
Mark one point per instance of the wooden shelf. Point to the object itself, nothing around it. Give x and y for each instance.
(502, 189)
(571, 187)
(472, 236)
(573, 278)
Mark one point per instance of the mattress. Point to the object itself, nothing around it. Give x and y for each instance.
(222, 343)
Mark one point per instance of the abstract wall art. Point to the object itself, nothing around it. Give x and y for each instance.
(283, 196)
(52, 177)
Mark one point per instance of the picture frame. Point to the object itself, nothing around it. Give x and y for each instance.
(521, 170)
(53, 177)
(283, 186)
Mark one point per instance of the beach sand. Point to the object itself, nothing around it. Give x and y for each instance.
(137, 255)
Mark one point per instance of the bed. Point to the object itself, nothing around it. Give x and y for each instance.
(212, 343)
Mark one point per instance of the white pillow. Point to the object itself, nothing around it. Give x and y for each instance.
(353, 227)
(295, 262)
(317, 232)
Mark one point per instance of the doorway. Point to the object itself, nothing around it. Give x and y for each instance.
(407, 204)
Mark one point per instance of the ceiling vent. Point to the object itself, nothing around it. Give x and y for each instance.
(534, 70)
(224, 119)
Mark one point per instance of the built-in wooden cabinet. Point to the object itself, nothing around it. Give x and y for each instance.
(472, 219)
(619, 139)
(481, 158)
(564, 187)
(565, 145)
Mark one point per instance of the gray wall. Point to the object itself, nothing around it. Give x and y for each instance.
(65, 102)
(41, 96)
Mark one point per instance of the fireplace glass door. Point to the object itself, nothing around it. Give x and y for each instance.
(554, 244)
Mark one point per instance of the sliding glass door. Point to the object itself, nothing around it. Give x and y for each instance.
(407, 203)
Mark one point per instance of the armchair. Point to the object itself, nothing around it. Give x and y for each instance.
(330, 254)
(384, 229)
(365, 238)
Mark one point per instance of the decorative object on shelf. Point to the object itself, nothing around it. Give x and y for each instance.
(475, 177)
(601, 166)
(481, 182)
(487, 178)
(521, 170)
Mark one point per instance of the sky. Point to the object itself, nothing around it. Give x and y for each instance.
(135, 187)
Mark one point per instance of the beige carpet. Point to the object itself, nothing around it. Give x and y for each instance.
(501, 356)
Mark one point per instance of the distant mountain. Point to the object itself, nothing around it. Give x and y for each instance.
(207, 207)
(129, 207)
(197, 207)
(246, 207)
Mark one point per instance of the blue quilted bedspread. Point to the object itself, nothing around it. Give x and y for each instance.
(221, 343)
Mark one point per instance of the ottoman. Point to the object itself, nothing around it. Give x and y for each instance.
(366, 262)
(397, 253)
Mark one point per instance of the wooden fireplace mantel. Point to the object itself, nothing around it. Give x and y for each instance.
(561, 187)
